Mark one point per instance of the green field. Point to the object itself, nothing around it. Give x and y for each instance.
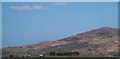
(64, 58)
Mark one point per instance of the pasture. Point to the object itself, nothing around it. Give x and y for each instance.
(62, 58)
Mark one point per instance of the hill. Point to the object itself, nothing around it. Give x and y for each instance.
(98, 42)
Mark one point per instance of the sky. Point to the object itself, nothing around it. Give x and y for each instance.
(59, 0)
(32, 22)
(0, 24)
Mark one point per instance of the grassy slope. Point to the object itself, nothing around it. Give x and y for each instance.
(66, 58)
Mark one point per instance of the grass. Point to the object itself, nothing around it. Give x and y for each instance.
(62, 58)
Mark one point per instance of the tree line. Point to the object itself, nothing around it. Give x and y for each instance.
(64, 53)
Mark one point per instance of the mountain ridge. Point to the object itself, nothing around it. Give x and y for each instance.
(66, 37)
(97, 40)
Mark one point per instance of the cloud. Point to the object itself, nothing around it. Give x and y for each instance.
(60, 3)
(37, 7)
(27, 8)
(21, 8)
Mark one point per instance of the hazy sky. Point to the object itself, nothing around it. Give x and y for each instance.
(0, 24)
(60, 0)
(27, 23)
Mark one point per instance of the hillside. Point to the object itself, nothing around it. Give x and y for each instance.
(98, 42)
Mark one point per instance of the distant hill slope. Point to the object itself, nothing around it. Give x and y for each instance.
(98, 42)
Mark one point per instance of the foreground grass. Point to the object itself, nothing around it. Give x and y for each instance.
(62, 58)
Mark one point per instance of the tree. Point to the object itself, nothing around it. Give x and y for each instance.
(11, 55)
(52, 53)
(77, 53)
